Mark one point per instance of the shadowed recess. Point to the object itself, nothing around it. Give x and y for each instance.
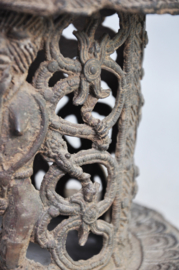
(92, 247)
(55, 222)
(40, 164)
(92, 169)
(35, 65)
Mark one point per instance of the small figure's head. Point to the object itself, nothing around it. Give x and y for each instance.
(90, 191)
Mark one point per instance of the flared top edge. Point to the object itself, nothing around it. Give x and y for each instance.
(87, 7)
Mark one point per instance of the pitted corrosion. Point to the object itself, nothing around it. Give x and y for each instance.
(30, 126)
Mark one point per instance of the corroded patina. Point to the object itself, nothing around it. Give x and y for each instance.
(87, 7)
(29, 126)
(35, 75)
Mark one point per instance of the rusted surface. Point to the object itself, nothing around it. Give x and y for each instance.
(30, 126)
(87, 7)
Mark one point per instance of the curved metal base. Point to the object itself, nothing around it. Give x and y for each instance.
(154, 245)
(159, 240)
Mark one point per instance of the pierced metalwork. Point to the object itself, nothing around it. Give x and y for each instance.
(30, 126)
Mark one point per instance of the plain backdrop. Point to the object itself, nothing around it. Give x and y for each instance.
(157, 150)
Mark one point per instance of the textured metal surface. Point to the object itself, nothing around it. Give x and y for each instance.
(30, 130)
(87, 7)
(158, 239)
(154, 242)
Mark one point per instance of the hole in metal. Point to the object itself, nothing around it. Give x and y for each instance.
(38, 254)
(92, 247)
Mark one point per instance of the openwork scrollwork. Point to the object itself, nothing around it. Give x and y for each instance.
(30, 125)
(85, 81)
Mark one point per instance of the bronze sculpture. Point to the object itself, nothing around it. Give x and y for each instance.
(30, 126)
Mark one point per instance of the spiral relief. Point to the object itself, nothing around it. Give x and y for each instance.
(45, 80)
